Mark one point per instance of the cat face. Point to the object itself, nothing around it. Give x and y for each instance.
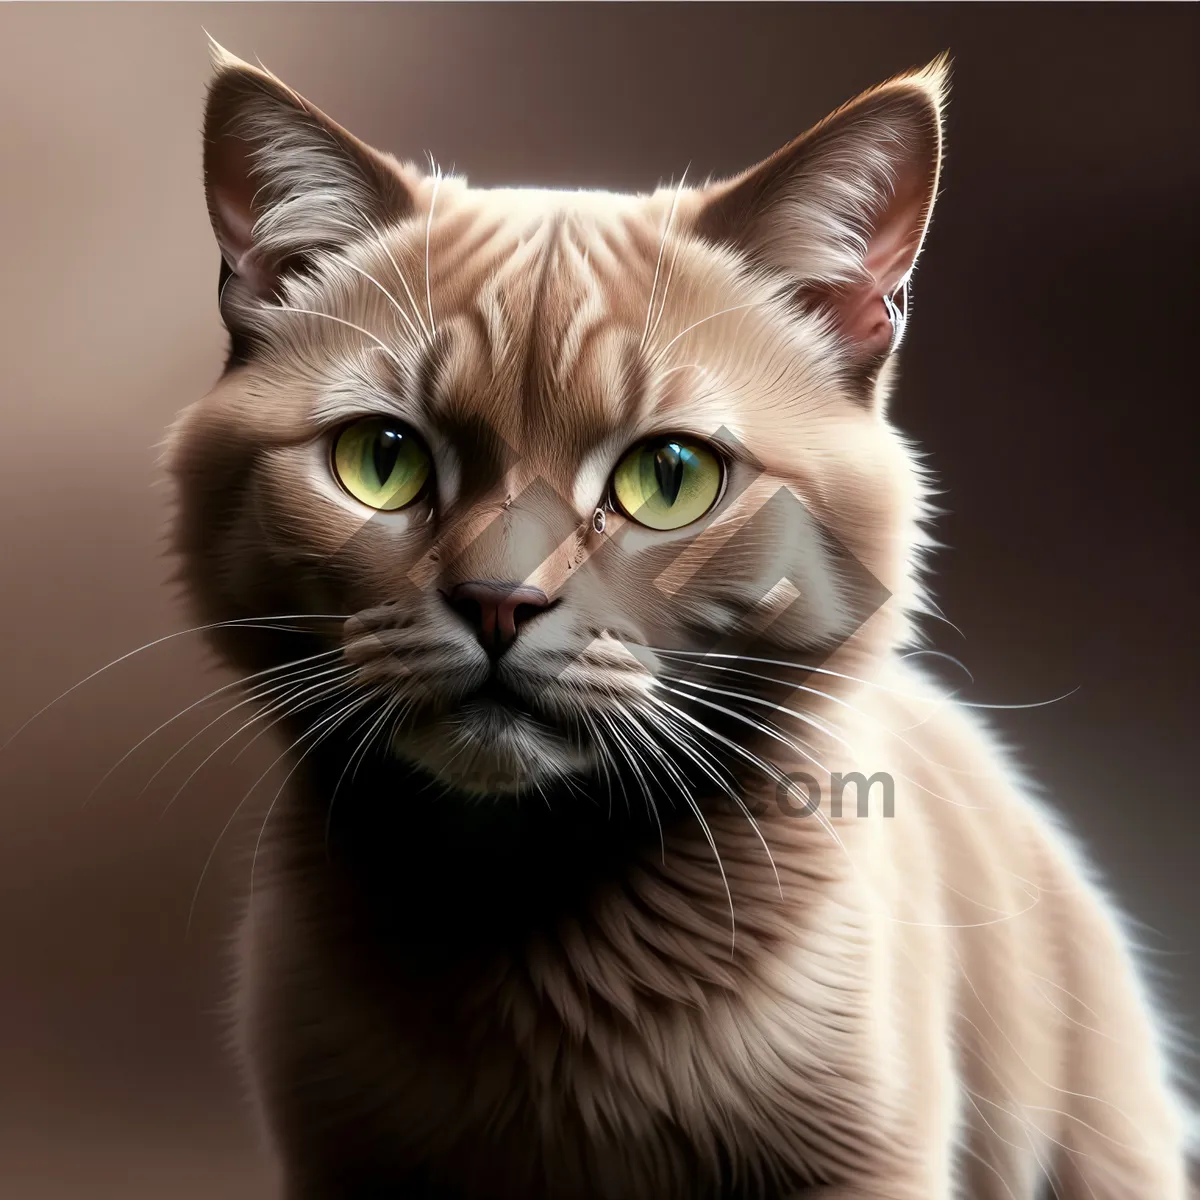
(532, 455)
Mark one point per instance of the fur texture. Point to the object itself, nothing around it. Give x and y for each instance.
(606, 943)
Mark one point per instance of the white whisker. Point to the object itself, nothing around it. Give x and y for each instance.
(658, 262)
(750, 698)
(661, 354)
(412, 329)
(437, 183)
(233, 816)
(412, 300)
(327, 725)
(284, 707)
(312, 312)
(285, 668)
(341, 779)
(775, 662)
(728, 790)
(662, 308)
(754, 759)
(245, 623)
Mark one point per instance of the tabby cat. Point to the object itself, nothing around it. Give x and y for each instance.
(626, 853)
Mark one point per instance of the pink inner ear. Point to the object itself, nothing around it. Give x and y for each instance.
(237, 246)
(863, 318)
(892, 246)
(234, 220)
(232, 190)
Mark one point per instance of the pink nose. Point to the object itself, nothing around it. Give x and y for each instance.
(496, 611)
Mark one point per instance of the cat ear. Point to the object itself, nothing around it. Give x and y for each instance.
(843, 209)
(282, 179)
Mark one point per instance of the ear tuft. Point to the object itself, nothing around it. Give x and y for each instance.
(933, 79)
(218, 55)
(842, 211)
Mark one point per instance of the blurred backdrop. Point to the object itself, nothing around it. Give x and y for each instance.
(1048, 372)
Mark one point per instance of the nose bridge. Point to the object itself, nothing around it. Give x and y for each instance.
(517, 541)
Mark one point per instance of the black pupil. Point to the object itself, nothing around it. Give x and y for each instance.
(668, 470)
(385, 452)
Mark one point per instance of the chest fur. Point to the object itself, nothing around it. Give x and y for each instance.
(642, 1048)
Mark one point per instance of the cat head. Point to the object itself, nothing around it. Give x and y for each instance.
(536, 467)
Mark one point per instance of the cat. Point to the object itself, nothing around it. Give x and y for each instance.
(625, 851)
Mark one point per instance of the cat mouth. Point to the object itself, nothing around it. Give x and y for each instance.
(494, 694)
(494, 741)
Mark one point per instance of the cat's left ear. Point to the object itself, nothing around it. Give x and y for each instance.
(283, 180)
(842, 211)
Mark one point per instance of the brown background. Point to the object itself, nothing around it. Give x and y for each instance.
(1049, 373)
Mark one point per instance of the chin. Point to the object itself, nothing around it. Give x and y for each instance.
(485, 749)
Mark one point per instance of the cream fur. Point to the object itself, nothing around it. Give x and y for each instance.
(935, 1005)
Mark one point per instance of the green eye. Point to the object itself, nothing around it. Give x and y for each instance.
(381, 463)
(667, 483)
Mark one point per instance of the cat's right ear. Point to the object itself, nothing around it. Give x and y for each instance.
(283, 180)
(842, 211)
